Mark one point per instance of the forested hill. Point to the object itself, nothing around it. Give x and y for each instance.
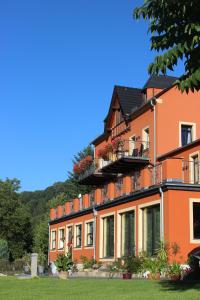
(39, 202)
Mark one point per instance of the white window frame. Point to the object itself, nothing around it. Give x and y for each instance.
(67, 229)
(75, 228)
(191, 166)
(101, 258)
(59, 239)
(132, 144)
(119, 225)
(53, 249)
(140, 221)
(144, 140)
(191, 201)
(193, 131)
(85, 234)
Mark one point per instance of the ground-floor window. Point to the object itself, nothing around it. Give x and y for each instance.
(89, 234)
(53, 240)
(69, 235)
(78, 236)
(151, 229)
(127, 233)
(108, 236)
(196, 220)
(61, 235)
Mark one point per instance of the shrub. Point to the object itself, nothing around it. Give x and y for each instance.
(64, 262)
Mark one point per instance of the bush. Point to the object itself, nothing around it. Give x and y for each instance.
(64, 262)
(88, 263)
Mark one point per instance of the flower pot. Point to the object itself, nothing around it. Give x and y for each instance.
(175, 277)
(63, 274)
(41, 269)
(152, 276)
(127, 275)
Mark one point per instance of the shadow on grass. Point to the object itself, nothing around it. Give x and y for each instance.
(180, 285)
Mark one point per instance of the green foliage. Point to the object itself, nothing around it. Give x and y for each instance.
(174, 269)
(27, 259)
(89, 263)
(41, 236)
(14, 219)
(64, 262)
(132, 264)
(175, 31)
(4, 251)
(42, 259)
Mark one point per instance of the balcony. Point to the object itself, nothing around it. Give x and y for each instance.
(125, 156)
(92, 174)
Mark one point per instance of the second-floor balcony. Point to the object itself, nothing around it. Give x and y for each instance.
(91, 174)
(124, 156)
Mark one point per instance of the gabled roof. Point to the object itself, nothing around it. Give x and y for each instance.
(160, 82)
(129, 98)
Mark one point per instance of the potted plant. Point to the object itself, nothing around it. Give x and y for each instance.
(27, 262)
(174, 271)
(153, 266)
(41, 262)
(63, 264)
(131, 265)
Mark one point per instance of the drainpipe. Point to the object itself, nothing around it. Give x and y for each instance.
(153, 104)
(162, 214)
(94, 230)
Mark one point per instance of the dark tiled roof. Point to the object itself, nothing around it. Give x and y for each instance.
(160, 82)
(129, 98)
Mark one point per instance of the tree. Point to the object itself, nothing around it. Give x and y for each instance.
(41, 236)
(15, 226)
(175, 30)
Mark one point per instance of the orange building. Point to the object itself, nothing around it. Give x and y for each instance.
(145, 174)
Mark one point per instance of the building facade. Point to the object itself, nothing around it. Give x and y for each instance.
(145, 179)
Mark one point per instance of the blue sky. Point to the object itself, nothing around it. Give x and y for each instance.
(59, 61)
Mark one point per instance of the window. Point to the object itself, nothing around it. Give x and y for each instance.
(78, 236)
(135, 180)
(186, 134)
(104, 193)
(119, 187)
(89, 234)
(151, 229)
(145, 138)
(132, 145)
(196, 220)
(195, 169)
(61, 235)
(108, 237)
(69, 235)
(53, 240)
(128, 233)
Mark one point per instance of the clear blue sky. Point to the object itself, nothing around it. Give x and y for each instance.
(59, 61)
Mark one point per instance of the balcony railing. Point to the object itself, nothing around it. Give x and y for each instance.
(187, 172)
(174, 171)
(125, 155)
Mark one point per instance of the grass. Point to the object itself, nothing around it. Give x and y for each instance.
(95, 289)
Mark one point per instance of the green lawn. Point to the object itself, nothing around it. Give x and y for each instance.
(75, 289)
